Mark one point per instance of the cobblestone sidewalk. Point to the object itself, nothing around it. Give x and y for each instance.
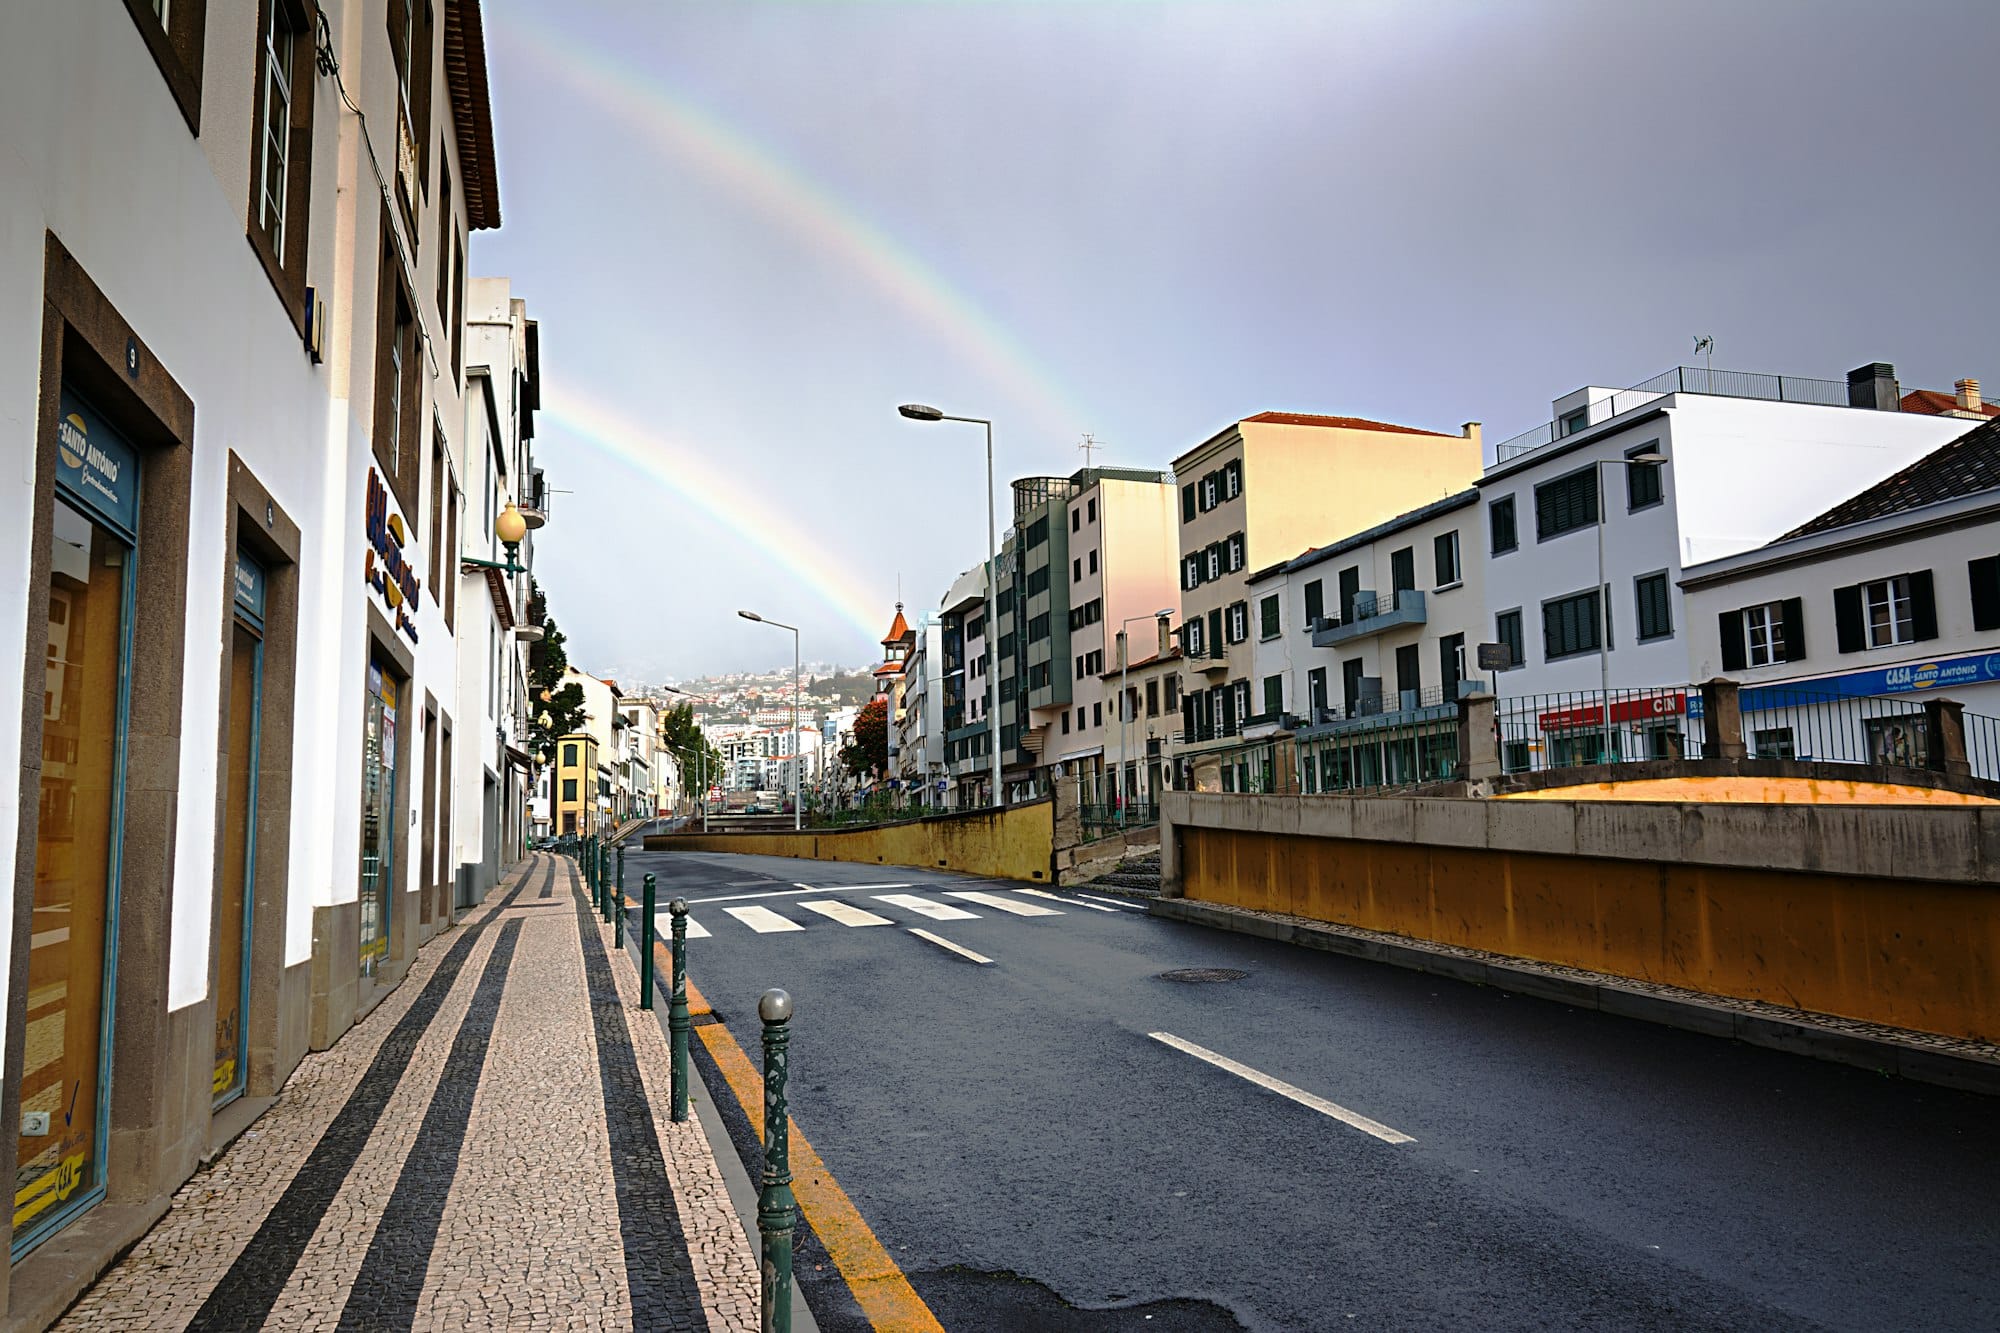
(490, 1148)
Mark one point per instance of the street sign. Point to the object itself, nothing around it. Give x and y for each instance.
(1494, 657)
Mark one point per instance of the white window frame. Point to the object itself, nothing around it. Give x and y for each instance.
(1766, 622)
(1892, 597)
(1211, 488)
(1214, 563)
(1457, 561)
(1235, 549)
(274, 182)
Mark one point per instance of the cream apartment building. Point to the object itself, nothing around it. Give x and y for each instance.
(1123, 546)
(1267, 488)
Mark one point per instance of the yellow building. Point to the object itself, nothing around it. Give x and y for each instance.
(1268, 488)
(574, 792)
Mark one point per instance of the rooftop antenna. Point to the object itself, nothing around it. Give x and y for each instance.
(1089, 444)
(1704, 346)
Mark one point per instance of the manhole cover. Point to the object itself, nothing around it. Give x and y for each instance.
(1197, 974)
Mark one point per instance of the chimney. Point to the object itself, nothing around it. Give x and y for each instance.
(1471, 431)
(1874, 386)
(1968, 395)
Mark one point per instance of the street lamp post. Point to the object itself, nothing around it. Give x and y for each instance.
(798, 758)
(923, 412)
(1124, 693)
(1651, 458)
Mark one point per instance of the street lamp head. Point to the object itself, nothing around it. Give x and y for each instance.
(921, 412)
(1646, 459)
(510, 527)
(751, 615)
(1166, 614)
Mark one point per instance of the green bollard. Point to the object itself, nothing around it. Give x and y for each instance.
(677, 1011)
(618, 911)
(777, 1214)
(646, 933)
(604, 880)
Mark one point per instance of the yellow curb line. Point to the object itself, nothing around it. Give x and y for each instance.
(880, 1289)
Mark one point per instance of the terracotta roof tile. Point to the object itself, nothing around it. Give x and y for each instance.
(1933, 402)
(1341, 423)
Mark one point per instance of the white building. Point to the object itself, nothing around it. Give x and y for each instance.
(492, 766)
(965, 690)
(920, 720)
(1363, 647)
(232, 359)
(1740, 465)
(1841, 629)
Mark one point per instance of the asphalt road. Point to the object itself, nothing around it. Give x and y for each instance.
(1033, 1157)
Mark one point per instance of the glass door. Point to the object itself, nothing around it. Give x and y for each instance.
(378, 830)
(237, 904)
(71, 955)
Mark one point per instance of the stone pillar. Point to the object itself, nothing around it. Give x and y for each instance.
(1944, 728)
(1721, 721)
(1068, 794)
(1478, 738)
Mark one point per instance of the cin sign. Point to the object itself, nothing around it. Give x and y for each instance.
(383, 566)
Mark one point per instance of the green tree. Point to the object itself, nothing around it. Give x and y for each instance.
(867, 752)
(556, 709)
(682, 737)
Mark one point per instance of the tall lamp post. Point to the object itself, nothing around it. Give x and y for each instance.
(798, 751)
(923, 412)
(1124, 694)
(1651, 458)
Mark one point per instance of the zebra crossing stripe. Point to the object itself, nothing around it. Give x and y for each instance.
(1058, 898)
(1014, 905)
(936, 911)
(846, 915)
(763, 920)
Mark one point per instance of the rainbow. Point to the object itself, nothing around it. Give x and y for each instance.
(783, 192)
(685, 470)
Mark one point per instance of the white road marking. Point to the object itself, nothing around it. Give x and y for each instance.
(1004, 904)
(1284, 1089)
(944, 943)
(1058, 898)
(855, 888)
(695, 930)
(846, 915)
(910, 902)
(792, 893)
(762, 920)
(1130, 907)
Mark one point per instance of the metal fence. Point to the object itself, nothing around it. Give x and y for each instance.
(1786, 722)
(1685, 379)
(1380, 758)
(1982, 745)
(1102, 821)
(1573, 728)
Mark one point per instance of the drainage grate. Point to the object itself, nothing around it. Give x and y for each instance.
(1199, 974)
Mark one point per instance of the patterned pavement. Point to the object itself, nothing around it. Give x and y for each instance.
(489, 1149)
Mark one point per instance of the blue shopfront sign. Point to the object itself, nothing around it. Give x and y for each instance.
(250, 588)
(1942, 674)
(95, 465)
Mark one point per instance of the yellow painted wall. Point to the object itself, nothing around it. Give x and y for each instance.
(1911, 954)
(1017, 843)
(1754, 791)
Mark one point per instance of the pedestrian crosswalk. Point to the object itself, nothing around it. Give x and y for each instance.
(862, 905)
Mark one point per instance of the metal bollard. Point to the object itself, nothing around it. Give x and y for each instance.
(646, 933)
(776, 1212)
(618, 892)
(604, 881)
(677, 1010)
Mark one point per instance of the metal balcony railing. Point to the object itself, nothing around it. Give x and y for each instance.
(1683, 379)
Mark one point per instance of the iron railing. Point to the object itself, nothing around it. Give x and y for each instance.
(1684, 379)
(1570, 729)
(1103, 820)
(1982, 745)
(1793, 722)
(1421, 751)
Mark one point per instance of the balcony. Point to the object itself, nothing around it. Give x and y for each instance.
(1372, 614)
(1213, 659)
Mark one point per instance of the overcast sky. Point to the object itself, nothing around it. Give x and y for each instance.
(750, 229)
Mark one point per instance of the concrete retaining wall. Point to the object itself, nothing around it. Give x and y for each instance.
(1015, 843)
(1886, 914)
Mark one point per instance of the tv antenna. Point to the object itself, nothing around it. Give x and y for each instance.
(1089, 444)
(1704, 346)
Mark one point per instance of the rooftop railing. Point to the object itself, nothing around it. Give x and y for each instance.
(1682, 379)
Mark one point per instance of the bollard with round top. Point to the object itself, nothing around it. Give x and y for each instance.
(677, 1010)
(646, 932)
(777, 1214)
(618, 907)
(604, 882)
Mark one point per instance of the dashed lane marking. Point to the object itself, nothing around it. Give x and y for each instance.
(1058, 898)
(846, 915)
(1004, 904)
(763, 920)
(1284, 1089)
(936, 911)
(944, 943)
